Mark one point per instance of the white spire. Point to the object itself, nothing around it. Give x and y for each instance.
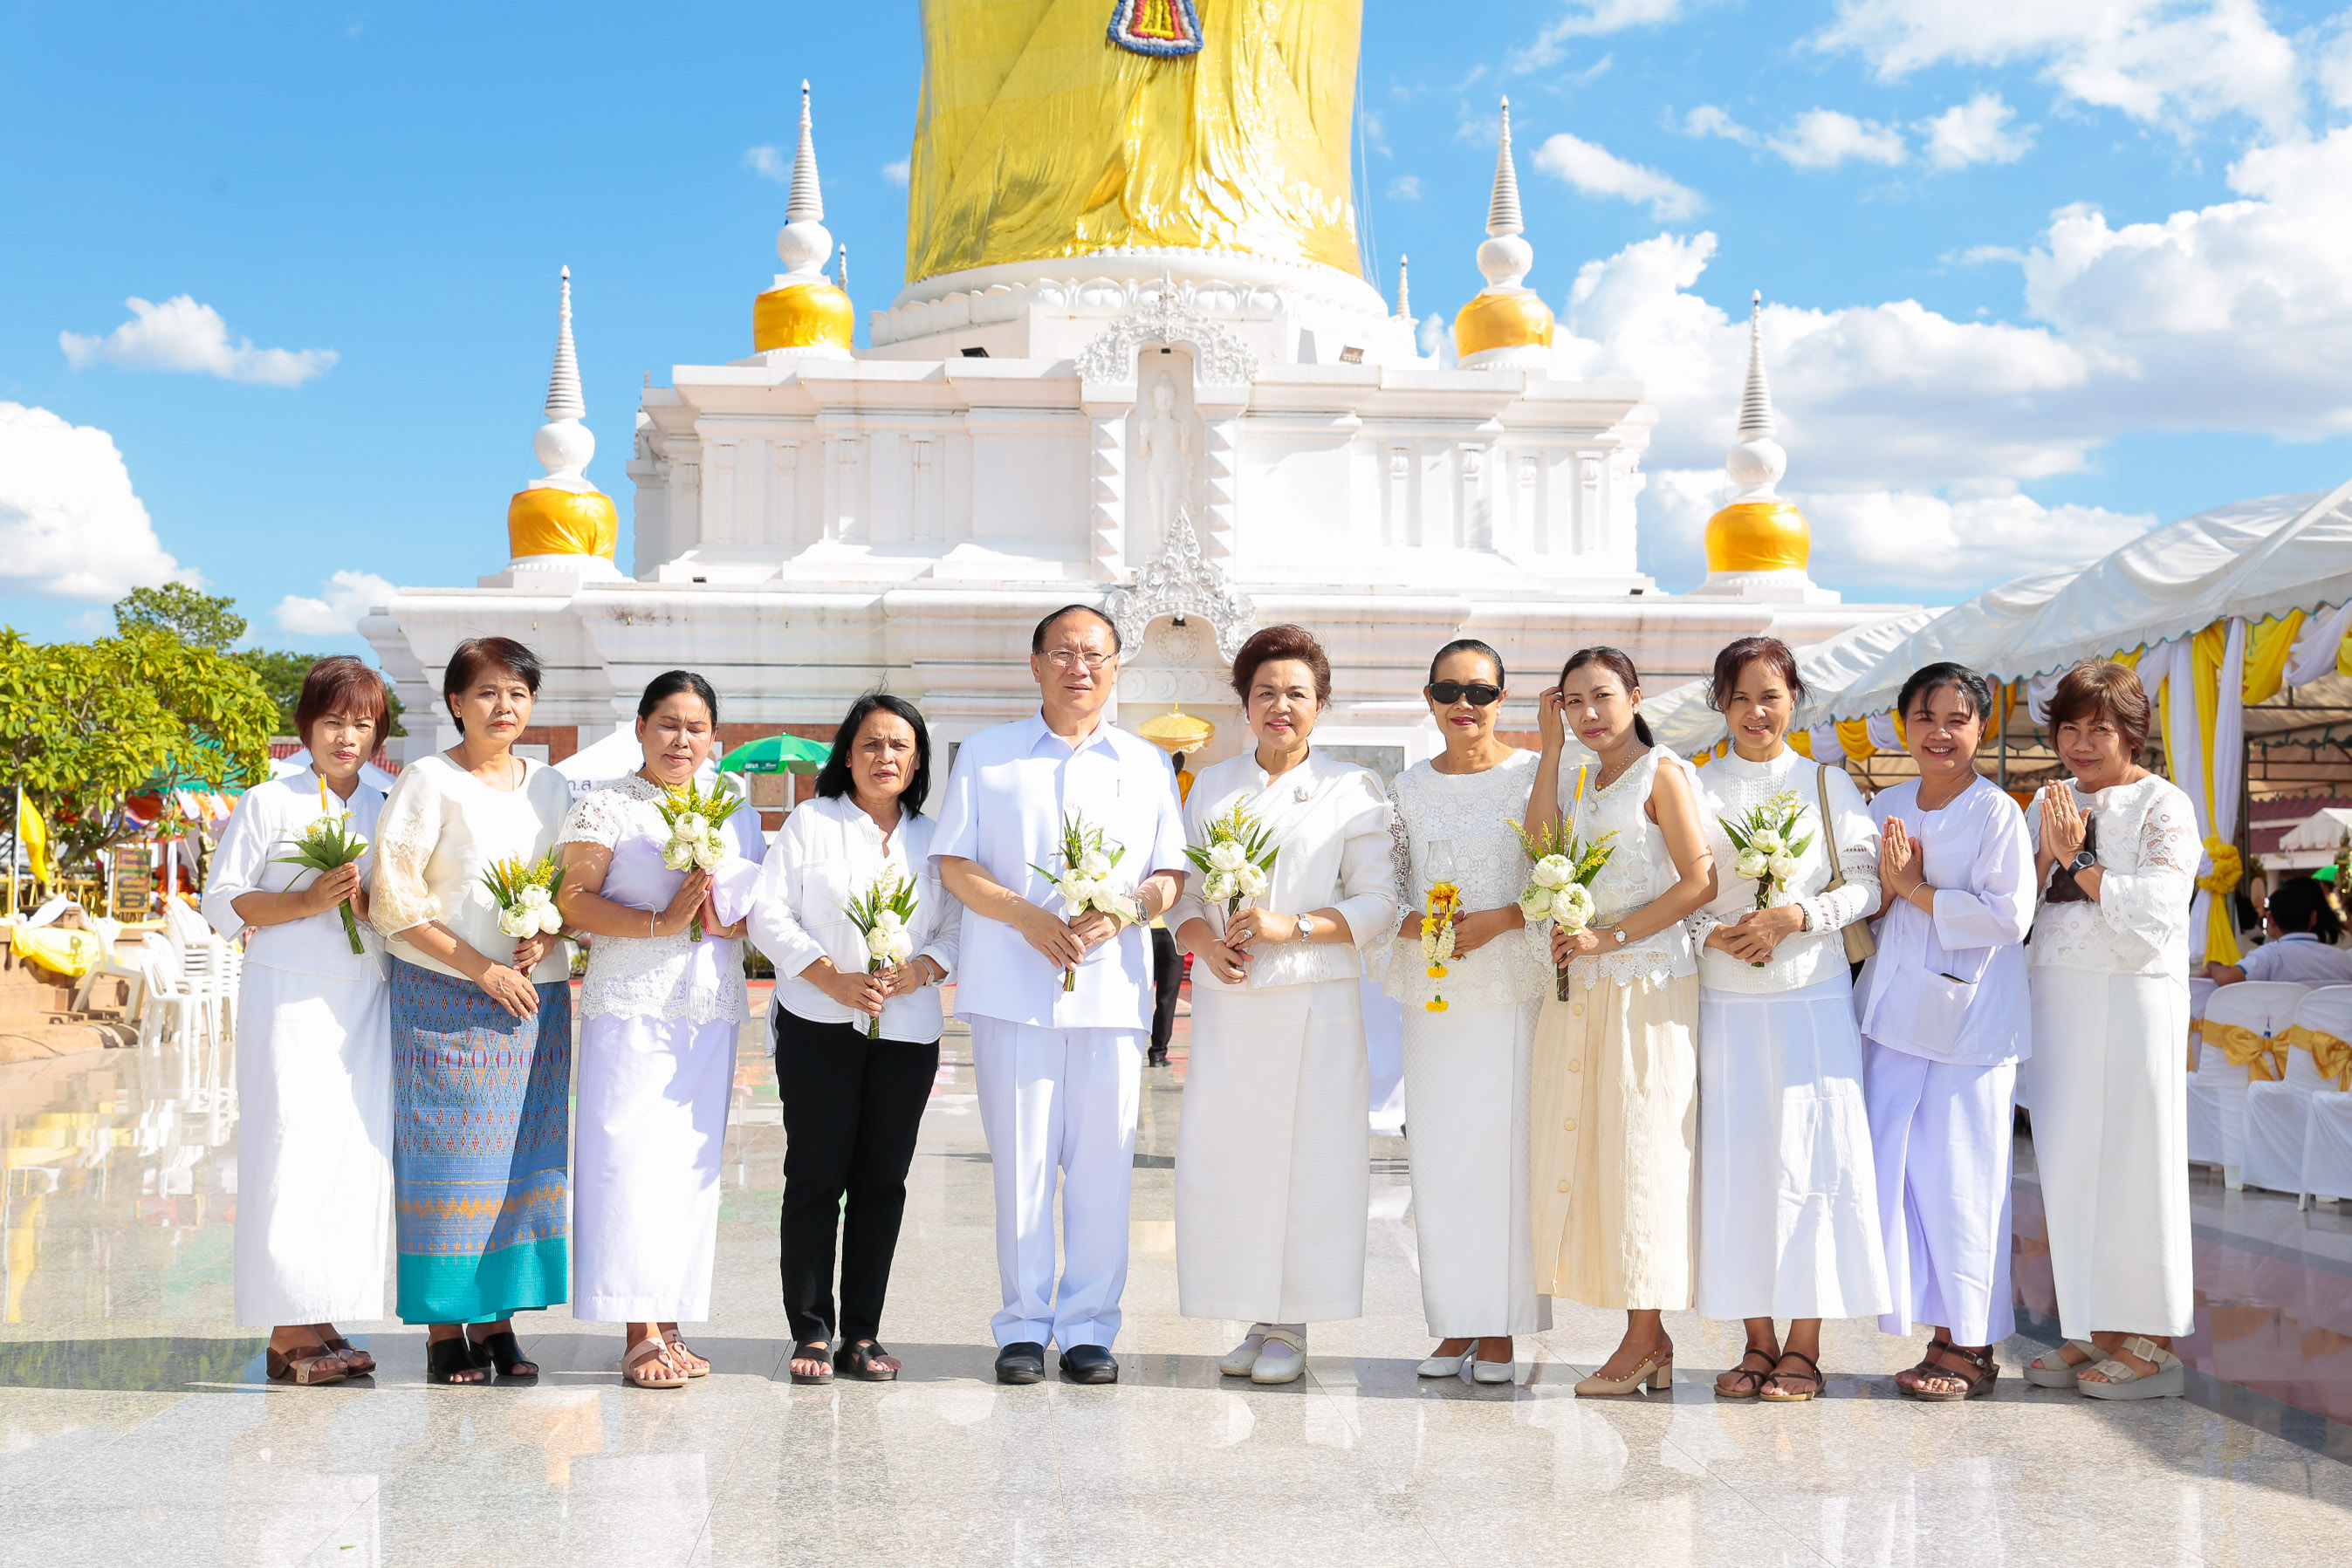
(1506, 256)
(1757, 463)
(841, 275)
(565, 445)
(1404, 290)
(802, 243)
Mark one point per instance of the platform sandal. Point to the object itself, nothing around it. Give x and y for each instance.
(310, 1366)
(2169, 1381)
(505, 1351)
(818, 1350)
(1977, 1378)
(2066, 1373)
(1782, 1396)
(451, 1360)
(362, 1364)
(863, 1362)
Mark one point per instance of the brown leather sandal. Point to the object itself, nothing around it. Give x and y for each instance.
(1978, 1377)
(1783, 1397)
(362, 1364)
(1754, 1379)
(308, 1366)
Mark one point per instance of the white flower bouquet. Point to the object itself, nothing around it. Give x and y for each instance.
(526, 895)
(1237, 864)
(694, 841)
(1083, 882)
(328, 844)
(1560, 882)
(1769, 849)
(882, 914)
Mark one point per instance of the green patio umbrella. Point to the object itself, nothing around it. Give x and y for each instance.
(777, 754)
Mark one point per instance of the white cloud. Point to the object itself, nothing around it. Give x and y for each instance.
(2162, 62)
(1826, 138)
(1597, 172)
(70, 524)
(768, 162)
(1977, 132)
(1707, 119)
(1405, 188)
(1436, 336)
(181, 335)
(336, 613)
(898, 173)
(1592, 18)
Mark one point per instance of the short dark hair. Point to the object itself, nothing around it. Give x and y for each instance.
(2101, 688)
(834, 781)
(1469, 646)
(668, 684)
(476, 654)
(1619, 663)
(1283, 642)
(2300, 903)
(1037, 637)
(342, 684)
(1929, 679)
(1743, 652)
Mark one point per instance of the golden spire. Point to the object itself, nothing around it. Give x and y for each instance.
(561, 513)
(804, 312)
(1507, 324)
(1758, 531)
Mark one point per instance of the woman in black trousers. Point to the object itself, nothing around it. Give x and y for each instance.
(856, 1051)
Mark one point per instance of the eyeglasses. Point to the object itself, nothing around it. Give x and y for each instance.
(1071, 658)
(1445, 693)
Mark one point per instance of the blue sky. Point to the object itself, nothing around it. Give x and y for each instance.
(1982, 364)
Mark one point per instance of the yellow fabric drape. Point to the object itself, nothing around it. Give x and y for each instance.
(2262, 1057)
(1854, 739)
(1802, 743)
(1037, 137)
(73, 954)
(2332, 1056)
(2268, 644)
(33, 832)
(2208, 650)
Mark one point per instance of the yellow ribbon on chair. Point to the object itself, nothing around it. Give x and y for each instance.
(2263, 1056)
(2332, 1056)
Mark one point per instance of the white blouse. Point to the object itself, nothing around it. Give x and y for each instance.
(673, 978)
(1951, 987)
(440, 830)
(828, 852)
(267, 823)
(1474, 813)
(1731, 786)
(1329, 827)
(2145, 835)
(1641, 869)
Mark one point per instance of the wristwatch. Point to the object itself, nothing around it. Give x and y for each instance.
(2082, 862)
(1619, 932)
(1305, 924)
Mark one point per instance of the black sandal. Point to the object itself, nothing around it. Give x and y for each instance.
(1755, 1379)
(445, 1358)
(1814, 1377)
(505, 1352)
(820, 1346)
(1982, 1373)
(857, 1361)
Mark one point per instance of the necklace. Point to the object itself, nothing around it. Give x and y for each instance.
(1605, 777)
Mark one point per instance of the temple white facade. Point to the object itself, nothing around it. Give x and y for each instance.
(1199, 442)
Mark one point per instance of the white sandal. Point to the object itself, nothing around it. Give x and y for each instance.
(1274, 1368)
(2065, 1372)
(2169, 1381)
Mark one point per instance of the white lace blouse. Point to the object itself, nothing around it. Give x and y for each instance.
(440, 830)
(673, 978)
(1731, 786)
(2145, 835)
(1641, 869)
(1472, 813)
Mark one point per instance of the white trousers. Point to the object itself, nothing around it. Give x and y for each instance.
(1059, 1100)
(1941, 1131)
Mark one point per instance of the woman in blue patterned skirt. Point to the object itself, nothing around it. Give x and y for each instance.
(481, 1028)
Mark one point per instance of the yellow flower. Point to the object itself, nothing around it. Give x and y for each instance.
(1437, 971)
(1438, 1006)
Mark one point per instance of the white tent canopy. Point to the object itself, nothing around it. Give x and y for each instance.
(2323, 831)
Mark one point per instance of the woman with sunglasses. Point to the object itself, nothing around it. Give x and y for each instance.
(1788, 1194)
(1468, 1030)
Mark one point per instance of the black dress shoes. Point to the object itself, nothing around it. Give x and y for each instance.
(1023, 1361)
(1089, 1363)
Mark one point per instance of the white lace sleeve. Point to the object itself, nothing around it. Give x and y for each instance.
(2152, 901)
(599, 817)
(1399, 853)
(407, 835)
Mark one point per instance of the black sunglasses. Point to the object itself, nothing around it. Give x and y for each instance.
(1445, 693)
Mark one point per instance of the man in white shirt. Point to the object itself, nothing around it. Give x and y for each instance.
(1059, 1070)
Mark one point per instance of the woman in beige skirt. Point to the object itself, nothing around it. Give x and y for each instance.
(1614, 1098)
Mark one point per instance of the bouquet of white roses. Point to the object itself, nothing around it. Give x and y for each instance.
(881, 914)
(1770, 849)
(526, 895)
(1237, 863)
(1083, 882)
(1559, 884)
(694, 841)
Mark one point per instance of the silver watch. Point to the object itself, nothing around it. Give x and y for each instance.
(1306, 927)
(1619, 931)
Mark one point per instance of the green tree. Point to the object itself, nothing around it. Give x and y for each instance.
(84, 725)
(199, 619)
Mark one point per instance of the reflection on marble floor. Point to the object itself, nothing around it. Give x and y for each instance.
(135, 1426)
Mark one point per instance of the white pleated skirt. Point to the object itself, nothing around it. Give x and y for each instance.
(1787, 1192)
(649, 1126)
(1273, 1156)
(1465, 1106)
(2111, 1141)
(314, 1147)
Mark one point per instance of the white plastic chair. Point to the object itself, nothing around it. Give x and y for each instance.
(2204, 1088)
(2325, 1170)
(172, 1009)
(2278, 1114)
(2265, 1007)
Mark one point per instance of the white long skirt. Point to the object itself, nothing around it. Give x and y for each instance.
(648, 1133)
(1465, 1106)
(1788, 1191)
(1273, 1156)
(314, 1147)
(2111, 1140)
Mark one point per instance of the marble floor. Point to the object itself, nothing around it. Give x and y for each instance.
(135, 1426)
